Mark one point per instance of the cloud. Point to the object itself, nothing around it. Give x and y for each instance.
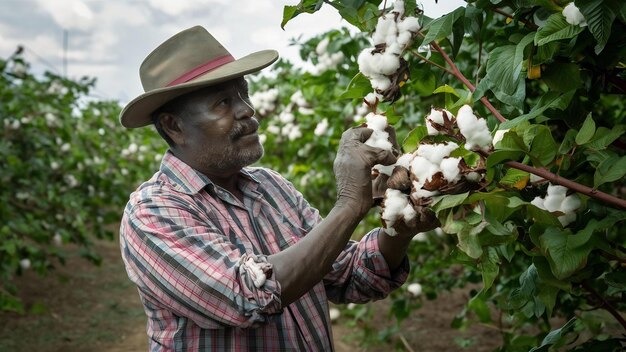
(74, 14)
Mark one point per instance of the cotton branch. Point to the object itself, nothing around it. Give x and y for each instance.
(554, 178)
(605, 304)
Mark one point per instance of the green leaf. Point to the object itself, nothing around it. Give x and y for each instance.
(610, 170)
(469, 242)
(518, 59)
(556, 336)
(544, 147)
(599, 15)
(478, 305)
(586, 131)
(604, 137)
(499, 156)
(501, 69)
(563, 258)
(562, 77)
(443, 26)
(358, 87)
(413, 139)
(568, 141)
(446, 89)
(448, 201)
(550, 100)
(489, 267)
(556, 28)
(305, 6)
(515, 178)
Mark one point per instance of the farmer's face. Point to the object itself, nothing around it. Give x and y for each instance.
(220, 132)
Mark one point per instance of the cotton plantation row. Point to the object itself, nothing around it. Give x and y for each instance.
(542, 226)
(67, 169)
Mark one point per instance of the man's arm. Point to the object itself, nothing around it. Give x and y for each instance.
(305, 264)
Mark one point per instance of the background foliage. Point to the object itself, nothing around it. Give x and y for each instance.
(67, 168)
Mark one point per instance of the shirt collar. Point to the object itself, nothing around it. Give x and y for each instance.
(186, 179)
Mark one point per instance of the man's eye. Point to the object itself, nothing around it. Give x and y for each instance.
(224, 101)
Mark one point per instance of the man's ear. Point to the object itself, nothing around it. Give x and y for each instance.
(172, 126)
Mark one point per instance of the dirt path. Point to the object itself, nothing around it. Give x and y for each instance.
(81, 307)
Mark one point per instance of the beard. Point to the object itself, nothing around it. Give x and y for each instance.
(232, 157)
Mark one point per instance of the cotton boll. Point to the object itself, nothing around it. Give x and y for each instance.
(450, 169)
(538, 202)
(436, 116)
(376, 122)
(420, 237)
(436, 152)
(474, 130)
(380, 142)
(567, 218)
(553, 202)
(321, 128)
(286, 117)
(498, 136)
(422, 169)
(388, 63)
(404, 38)
(25, 264)
(409, 24)
(405, 160)
(372, 98)
(394, 48)
(414, 289)
(366, 62)
(422, 193)
(381, 83)
(384, 169)
(573, 15)
(394, 204)
(334, 314)
(321, 47)
(536, 179)
(473, 176)
(398, 6)
(570, 204)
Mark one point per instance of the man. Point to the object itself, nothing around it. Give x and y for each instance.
(228, 257)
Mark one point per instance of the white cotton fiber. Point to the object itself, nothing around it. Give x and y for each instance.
(436, 152)
(422, 169)
(474, 130)
(450, 169)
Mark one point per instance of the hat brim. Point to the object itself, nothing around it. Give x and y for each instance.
(138, 112)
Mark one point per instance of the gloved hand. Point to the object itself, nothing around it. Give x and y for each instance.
(353, 168)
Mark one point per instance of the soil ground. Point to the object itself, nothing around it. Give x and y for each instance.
(83, 307)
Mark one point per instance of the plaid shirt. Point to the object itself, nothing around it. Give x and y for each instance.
(198, 256)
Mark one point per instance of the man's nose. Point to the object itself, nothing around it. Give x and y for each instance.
(244, 108)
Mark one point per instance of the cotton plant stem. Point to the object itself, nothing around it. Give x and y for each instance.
(461, 77)
(554, 178)
(605, 304)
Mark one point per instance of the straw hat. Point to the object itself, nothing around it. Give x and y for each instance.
(189, 60)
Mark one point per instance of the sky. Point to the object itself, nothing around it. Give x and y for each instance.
(108, 39)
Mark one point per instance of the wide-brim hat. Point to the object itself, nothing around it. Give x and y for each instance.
(190, 60)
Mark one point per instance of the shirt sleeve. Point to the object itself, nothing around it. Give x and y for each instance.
(192, 269)
(361, 274)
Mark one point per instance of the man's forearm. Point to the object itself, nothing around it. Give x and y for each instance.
(303, 265)
(393, 248)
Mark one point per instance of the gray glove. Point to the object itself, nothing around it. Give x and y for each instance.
(353, 168)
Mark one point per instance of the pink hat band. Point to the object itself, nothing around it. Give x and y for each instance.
(202, 69)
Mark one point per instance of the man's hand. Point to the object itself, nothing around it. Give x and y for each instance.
(353, 167)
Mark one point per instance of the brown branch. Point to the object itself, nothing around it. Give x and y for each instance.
(556, 179)
(459, 75)
(605, 304)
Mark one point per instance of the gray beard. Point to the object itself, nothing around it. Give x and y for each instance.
(233, 158)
